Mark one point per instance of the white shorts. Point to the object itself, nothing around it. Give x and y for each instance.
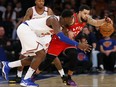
(30, 42)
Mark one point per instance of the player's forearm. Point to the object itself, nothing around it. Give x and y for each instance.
(65, 39)
(96, 22)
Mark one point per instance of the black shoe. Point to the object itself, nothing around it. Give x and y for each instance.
(68, 81)
(71, 82)
(64, 78)
(18, 79)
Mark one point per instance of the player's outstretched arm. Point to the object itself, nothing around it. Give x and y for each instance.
(98, 22)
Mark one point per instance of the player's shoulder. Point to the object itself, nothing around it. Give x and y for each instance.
(29, 9)
(54, 17)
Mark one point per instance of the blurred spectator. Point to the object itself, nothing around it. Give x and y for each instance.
(93, 4)
(58, 7)
(67, 5)
(9, 19)
(7, 45)
(74, 5)
(112, 5)
(3, 56)
(91, 39)
(4, 41)
(2, 45)
(2, 10)
(83, 57)
(18, 10)
(105, 13)
(83, 2)
(93, 12)
(100, 6)
(107, 55)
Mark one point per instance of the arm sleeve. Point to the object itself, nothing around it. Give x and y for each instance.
(65, 39)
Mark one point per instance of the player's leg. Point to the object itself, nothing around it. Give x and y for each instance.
(49, 59)
(58, 65)
(71, 53)
(19, 71)
(8, 65)
(27, 81)
(30, 44)
(46, 63)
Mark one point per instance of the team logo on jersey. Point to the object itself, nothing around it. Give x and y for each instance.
(76, 28)
(81, 56)
(107, 43)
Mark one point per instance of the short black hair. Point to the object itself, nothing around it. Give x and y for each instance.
(82, 7)
(66, 13)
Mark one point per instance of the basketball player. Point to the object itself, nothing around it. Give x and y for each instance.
(37, 11)
(81, 19)
(29, 33)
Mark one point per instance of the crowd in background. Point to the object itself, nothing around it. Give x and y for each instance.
(12, 11)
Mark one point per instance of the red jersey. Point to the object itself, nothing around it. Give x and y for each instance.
(76, 27)
(57, 46)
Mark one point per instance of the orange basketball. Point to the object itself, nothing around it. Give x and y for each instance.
(106, 29)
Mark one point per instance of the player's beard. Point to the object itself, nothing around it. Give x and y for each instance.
(83, 20)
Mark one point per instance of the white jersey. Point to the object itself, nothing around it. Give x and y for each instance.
(34, 35)
(39, 26)
(36, 15)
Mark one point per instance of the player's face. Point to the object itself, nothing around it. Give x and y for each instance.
(39, 3)
(69, 21)
(84, 15)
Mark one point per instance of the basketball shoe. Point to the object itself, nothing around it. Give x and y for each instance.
(28, 83)
(5, 70)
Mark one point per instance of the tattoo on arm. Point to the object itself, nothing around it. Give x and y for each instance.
(28, 14)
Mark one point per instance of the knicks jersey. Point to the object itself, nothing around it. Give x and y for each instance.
(36, 15)
(39, 26)
(76, 27)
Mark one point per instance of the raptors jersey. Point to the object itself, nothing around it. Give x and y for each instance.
(76, 27)
(36, 15)
(39, 26)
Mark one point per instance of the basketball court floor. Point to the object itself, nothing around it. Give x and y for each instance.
(83, 80)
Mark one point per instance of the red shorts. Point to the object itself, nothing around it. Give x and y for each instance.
(57, 46)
